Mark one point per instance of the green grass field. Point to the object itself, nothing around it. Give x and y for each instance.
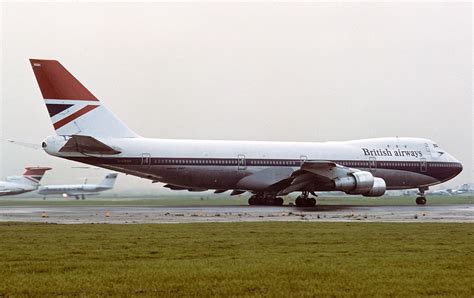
(213, 200)
(249, 259)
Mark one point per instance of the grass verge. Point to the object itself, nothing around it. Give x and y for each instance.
(251, 259)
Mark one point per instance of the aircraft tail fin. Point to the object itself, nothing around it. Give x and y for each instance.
(109, 180)
(33, 175)
(72, 108)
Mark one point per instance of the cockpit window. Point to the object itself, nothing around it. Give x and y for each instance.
(435, 145)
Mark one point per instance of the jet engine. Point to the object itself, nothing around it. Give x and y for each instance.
(378, 189)
(361, 183)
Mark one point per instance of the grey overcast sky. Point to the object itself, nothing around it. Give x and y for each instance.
(246, 71)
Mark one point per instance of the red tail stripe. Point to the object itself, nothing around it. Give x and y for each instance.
(56, 82)
(73, 116)
(35, 170)
(31, 179)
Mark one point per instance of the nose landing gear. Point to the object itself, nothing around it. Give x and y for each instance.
(421, 200)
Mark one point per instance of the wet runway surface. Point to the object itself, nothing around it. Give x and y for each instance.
(187, 214)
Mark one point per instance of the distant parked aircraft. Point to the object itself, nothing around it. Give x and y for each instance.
(14, 185)
(463, 189)
(87, 132)
(79, 190)
(440, 192)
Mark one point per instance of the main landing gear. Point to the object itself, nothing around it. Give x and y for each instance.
(265, 199)
(304, 201)
(421, 200)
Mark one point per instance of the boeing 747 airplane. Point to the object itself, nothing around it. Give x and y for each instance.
(87, 132)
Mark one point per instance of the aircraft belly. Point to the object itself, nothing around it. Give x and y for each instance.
(398, 179)
(208, 177)
(13, 192)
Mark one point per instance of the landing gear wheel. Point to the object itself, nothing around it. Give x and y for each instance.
(278, 202)
(268, 201)
(299, 202)
(304, 201)
(421, 201)
(258, 199)
(265, 199)
(252, 200)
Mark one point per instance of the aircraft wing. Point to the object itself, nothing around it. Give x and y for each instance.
(285, 180)
(326, 169)
(310, 172)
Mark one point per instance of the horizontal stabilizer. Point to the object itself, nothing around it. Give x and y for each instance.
(87, 144)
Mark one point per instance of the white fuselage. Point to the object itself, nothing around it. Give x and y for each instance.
(71, 189)
(402, 162)
(12, 188)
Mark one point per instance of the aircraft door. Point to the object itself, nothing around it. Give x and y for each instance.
(241, 163)
(423, 165)
(146, 160)
(428, 149)
(372, 164)
(303, 158)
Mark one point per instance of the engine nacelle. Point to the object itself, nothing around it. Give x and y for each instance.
(378, 189)
(357, 183)
(361, 183)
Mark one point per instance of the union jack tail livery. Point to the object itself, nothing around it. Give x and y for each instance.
(73, 109)
(33, 175)
(14, 185)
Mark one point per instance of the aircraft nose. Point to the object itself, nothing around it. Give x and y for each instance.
(459, 168)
